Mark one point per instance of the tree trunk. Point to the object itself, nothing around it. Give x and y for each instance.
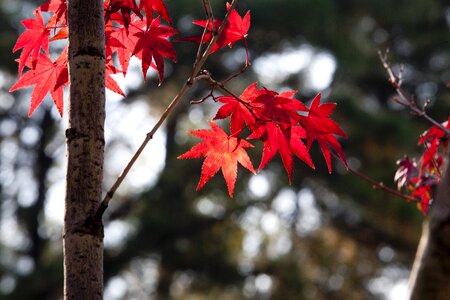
(430, 277)
(83, 234)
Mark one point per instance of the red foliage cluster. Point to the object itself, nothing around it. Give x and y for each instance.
(127, 34)
(419, 180)
(280, 121)
(283, 124)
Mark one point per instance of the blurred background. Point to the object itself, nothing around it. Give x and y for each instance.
(323, 237)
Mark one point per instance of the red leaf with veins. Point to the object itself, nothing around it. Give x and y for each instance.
(110, 83)
(32, 41)
(154, 5)
(221, 152)
(320, 127)
(152, 45)
(277, 126)
(59, 8)
(276, 141)
(272, 118)
(235, 29)
(125, 7)
(47, 77)
(239, 111)
(123, 42)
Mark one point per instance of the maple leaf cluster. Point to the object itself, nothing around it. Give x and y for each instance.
(419, 178)
(130, 30)
(282, 123)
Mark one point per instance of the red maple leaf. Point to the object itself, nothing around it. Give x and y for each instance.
(272, 118)
(123, 41)
(154, 5)
(432, 139)
(238, 109)
(423, 191)
(32, 41)
(110, 83)
(222, 152)
(152, 45)
(234, 30)
(287, 141)
(125, 7)
(47, 77)
(59, 8)
(320, 127)
(277, 126)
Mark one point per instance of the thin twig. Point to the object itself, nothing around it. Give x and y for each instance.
(209, 13)
(221, 86)
(403, 99)
(238, 73)
(380, 186)
(210, 20)
(186, 86)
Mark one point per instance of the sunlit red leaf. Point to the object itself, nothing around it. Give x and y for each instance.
(59, 10)
(32, 41)
(47, 77)
(221, 152)
(152, 45)
(154, 5)
(234, 30)
(238, 110)
(123, 41)
(320, 127)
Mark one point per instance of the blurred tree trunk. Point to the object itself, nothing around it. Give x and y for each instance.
(430, 277)
(83, 234)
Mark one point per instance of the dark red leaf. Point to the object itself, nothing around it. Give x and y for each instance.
(154, 5)
(125, 7)
(320, 127)
(152, 45)
(406, 171)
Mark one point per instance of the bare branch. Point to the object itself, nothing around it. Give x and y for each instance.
(380, 186)
(238, 73)
(403, 99)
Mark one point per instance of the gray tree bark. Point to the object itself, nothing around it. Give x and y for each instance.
(430, 277)
(83, 233)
